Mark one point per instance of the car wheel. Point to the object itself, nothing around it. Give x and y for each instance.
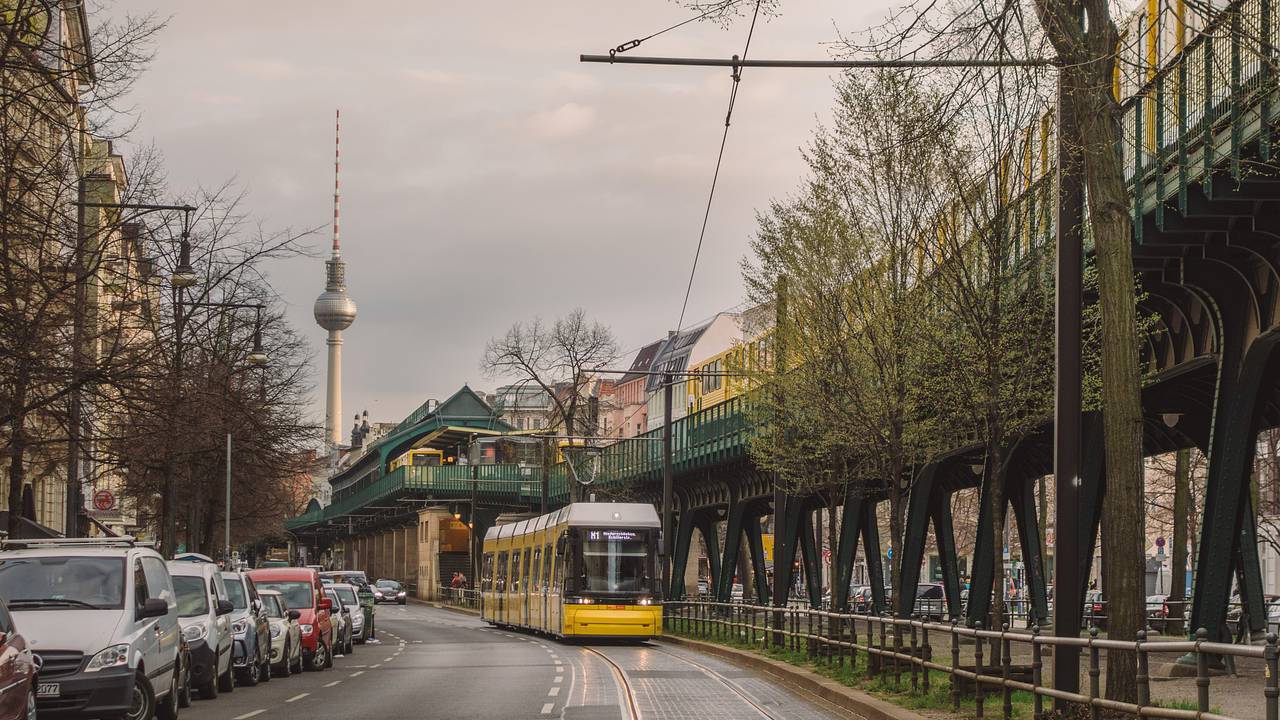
(227, 680)
(251, 674)
(168, 710)
(31, 703)
(142, 703)
(264, 667)
(400, 602)
(209, 691)
(320, 658)
(184, 687)
(296, 667)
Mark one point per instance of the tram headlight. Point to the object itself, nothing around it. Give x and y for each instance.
(580, 601)
(645, 600)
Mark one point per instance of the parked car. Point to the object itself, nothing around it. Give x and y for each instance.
(102, 617)
(250, 631)
(1095, 610)
(931, 601)
(389, 591)
(704, 587)
(364, 591)
(346, 594)
(203, 610)
(736, 592)
(286, 638)
(18, 668)
(303, 592)
(343, 633)
(1157, 612)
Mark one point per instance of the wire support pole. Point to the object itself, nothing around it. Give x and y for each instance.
(736, 62)
(668, 479)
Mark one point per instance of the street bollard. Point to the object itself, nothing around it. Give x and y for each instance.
(1202, 672)
(955, 663)
(1272, 691)
(1095, 671)
(1037, 671)
(1144, 678)
(977, 664)
(1005, 663)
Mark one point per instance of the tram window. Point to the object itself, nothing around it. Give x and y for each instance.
(615, 561)
(502, 572)
(528, 570)
(546, 567)
(486, 572)
(537, 568)
(515, 572)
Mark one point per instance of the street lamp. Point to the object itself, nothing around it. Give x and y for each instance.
(183, 275)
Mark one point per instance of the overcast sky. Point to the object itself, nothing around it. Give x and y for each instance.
(488, 176)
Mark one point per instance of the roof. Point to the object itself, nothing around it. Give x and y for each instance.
(642, 362)
(629, 515)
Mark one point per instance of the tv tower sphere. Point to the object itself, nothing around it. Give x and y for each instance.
(333, 309)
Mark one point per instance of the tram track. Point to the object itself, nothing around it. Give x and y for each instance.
(624, 683)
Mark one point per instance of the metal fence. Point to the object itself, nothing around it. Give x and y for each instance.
(900, 646)
(459, 597)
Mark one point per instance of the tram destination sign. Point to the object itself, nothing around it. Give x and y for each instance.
(612, 535)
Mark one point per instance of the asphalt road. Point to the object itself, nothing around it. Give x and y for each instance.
(433, 663)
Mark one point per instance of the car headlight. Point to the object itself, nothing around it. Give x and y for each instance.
(194, 633)
(114, 656)
(276, 630)
(377, 595)
(305, 628)
(239, 627)
(400, 594)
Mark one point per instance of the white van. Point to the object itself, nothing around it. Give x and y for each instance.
(102, 616)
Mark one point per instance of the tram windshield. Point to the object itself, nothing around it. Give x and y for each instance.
(615, 561)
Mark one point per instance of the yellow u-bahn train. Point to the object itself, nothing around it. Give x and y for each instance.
(586, 570)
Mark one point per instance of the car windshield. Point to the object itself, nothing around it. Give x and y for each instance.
(297, 594)
(193, 600)
(615, 561)
(388, 585)
(57, 583)
(347, 595)
(271, 604)
(235, 590)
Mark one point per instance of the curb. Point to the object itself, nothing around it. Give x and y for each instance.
(841, 696)
(442, 606)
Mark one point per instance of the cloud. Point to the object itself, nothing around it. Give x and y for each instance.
(432, 78)
(266, 68)
(568, 120)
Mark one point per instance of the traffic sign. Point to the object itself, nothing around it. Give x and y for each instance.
(103, 500)
(1160, 541)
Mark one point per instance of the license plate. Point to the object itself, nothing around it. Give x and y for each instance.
(48, 690)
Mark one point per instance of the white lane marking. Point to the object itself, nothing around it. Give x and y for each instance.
(357, 673)
(546, 709)
(248, 715)
(388, 659)
(558, 678)
(335, 682)
(297, 697)
(553, 692)
(375, 667)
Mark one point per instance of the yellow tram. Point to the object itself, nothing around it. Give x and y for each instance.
(586, 570)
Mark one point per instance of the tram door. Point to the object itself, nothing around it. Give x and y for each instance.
(546, 587)
(536, 577)
(500, 589)
(527, 573)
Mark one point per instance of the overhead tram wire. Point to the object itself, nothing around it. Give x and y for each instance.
(633, 44)
(715, 178)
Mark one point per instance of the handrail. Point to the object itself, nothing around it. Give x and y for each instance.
(896, 645)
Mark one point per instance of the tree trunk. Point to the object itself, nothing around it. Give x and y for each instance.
(17, 476)
(997, 505)
(1122, 515)
(1178, 572)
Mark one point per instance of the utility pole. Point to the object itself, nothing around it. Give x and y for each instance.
(226, 520)
(668, 478)
(74, 403)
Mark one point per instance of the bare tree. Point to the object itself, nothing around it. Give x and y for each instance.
(561, 360)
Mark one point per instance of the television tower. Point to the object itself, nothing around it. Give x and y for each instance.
(334, 311)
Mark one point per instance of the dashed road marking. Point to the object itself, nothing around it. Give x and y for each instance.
(546, 709)
(297, 697)
(558, 678)
(388, 659)
(335, 682)
(357, 673)
(375, 667)
(553, 692)
(248, 715)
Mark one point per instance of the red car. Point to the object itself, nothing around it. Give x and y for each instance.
(303, 592)
(18, 668)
